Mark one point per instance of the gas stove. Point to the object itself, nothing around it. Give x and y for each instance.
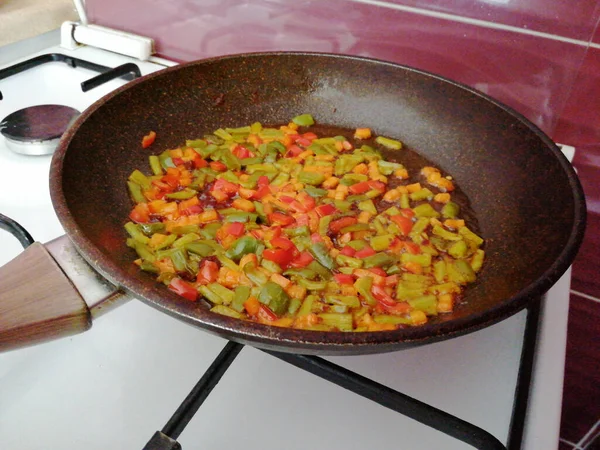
(118, 383)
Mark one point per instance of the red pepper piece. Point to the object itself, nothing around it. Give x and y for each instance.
(149, 139)
(302, 260)
(266, 314)
(263, 180)
(325, 210)
(383, 297)
(412, 248)
(236, 229)
(360, 188)
(306, 200)
(183, 288)
(364, 252)
(242, 152)
(343, 278)
(298, 207)
(261, 192)
(280, 256)
(377, 185)
(199, 163)
(316, 237)
(278, 218)
(140, 213)
(378, 271)
(348, 251)
(309, 135)
(407, 212)
(300, 140)
(191, 210)
(208, 272)
(286, 199)
(293, 150)
(336, 225)
(226, 187)
(218, 166)
(284, 243)
(404, 223)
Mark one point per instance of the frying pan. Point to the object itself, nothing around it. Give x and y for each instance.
(524, 193)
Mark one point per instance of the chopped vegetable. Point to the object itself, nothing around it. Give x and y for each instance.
(285, 227)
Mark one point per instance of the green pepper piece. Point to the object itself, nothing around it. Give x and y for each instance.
(477, 260)
(388, 143)
(425, 210)
(182, 195)
(323, 272)
(196, 143)
(388, 167)
(460, 272)
(368, 206)
(444, 288)
(321, 254)
(186, 229)
(304, 120)
(439, 271)
(421, 194)
(273, 295)
(311, 178)
(445, 234)
(141, 179)
(470, 236)
(209, 295)
(155, 165)
(363, 287)
(394, 320)
(186, 239)
(240, 295)
(324, 224)
(458, 249)
(307, 305)
(271, 266)
(379, 260)
(404, 292)
(342, 322)
(241, 216)
(294, 305)
(312, 285)
(209, 231)
(167, 242)
(144, 252)
(315, 192)
(241, 247)
(351, 301)
(135, 190)
(450, 210)
(425, 303)
(256, 276)
(199, 248)
(349, 261)
(150, 228)
(136, 233)
(382, 242)
(226, 311)
(424, 259)
(225, 294)
(404, 201)
(180, 260)
(305, 273)
(147, 266)
(358, 244)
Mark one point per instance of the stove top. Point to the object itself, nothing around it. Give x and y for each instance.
(116, 384)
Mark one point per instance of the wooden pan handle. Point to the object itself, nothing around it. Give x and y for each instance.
(38, 303)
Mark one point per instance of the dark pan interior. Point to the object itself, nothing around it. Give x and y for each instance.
(523, 191)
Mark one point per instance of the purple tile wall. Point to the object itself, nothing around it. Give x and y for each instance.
(531, 73)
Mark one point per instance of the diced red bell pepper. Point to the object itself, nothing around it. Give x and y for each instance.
(405, 224)
(218, 166)
(140, 213)
(360, 188)
(266, 314)
(316, 237)
(383, 297)
(306, 200)
(309, 135)
(377, 185)
(378, 271)
(407, 212)
(325, 210)
(208, 272)
(183, 288)
(343, 278)
(412, 248)
(278, 218)
(262, 192)
(171, 180)
(302, 260)
(226, 187)
(300, 140)
(293, 150)
(149, 139)
(263, 180)
(236, 229)
(336, 225)
(282, 257)
(191, 210)
(348, 251)
(242, 152)
(284, 243)
(298, 207)
(302, 220)
(364, 252)
(286, 199)
(199, 163)
(391, 280)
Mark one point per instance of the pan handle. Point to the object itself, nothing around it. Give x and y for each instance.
(38, 302)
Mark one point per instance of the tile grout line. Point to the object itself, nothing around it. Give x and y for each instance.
(572, 444)
(586, 296)
(590, 435)
(477, 22)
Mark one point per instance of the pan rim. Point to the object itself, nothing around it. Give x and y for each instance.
(286, 339)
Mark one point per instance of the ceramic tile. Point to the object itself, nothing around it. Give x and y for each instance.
(581, 395)
(557, 17)
(531, 74)
(578, 122)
